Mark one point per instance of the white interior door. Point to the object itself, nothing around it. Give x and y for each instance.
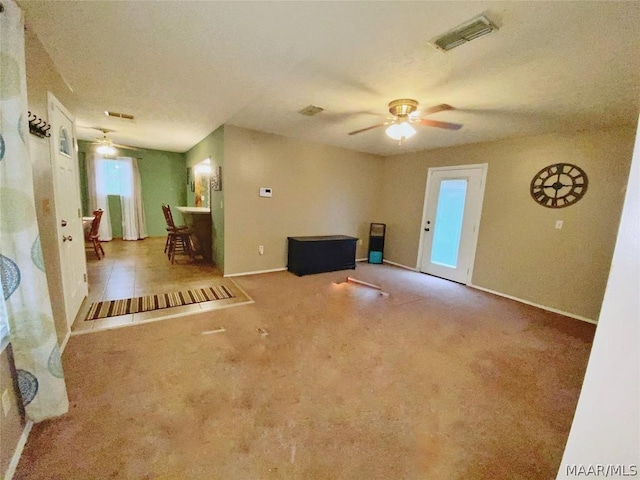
(453, 203)
(67, 207)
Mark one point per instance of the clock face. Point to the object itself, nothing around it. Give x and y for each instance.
(559, 185)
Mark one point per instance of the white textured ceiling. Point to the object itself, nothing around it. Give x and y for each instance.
(185, 68)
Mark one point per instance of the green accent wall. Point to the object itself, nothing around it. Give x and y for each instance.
(115, 215)
(163, 179)
(212, 146)
(82, 178)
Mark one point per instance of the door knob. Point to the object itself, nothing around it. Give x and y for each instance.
(67, 238)
(64, 223)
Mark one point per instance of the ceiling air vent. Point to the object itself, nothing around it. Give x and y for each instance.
(123, 116)
(474, 28)
(311, 110)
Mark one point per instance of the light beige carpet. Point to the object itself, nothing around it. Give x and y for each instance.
(435, 381)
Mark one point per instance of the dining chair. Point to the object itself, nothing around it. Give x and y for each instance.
(92, 235)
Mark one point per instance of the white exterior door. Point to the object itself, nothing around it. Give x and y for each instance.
(451, 218)
(68, 209)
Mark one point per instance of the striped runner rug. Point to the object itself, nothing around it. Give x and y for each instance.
(113, 308)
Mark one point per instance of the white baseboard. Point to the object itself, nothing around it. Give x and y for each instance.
(11, 470)
(257, 272)
(400, 265)
(543, 307)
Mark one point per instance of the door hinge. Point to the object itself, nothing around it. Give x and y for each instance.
(79, 214)
(84, 275)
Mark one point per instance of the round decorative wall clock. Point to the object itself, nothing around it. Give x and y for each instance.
(559, 185)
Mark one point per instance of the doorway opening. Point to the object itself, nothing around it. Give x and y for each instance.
(451, 221)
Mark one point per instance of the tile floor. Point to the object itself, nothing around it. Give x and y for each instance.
(133, 269)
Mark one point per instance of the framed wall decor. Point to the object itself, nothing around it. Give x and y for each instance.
(216, 178)
(191, 180)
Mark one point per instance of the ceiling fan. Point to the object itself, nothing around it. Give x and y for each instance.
(405, 114)
(105, 146)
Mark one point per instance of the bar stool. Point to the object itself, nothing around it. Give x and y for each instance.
(180, 242)
(179, 239)
(171, 226)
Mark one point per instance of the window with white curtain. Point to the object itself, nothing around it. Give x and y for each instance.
(119, 177)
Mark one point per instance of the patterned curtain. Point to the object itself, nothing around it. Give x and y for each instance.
(24, 284)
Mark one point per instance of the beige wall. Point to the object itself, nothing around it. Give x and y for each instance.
(520, 253)
(42, 77)
(11, 425)
(317, 190)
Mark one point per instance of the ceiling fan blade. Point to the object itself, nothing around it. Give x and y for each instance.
(435, 123)
(128, 147)
(436, 109)
(369, 128)
(100, 129)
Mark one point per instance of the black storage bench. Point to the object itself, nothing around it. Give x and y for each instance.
(321, 254)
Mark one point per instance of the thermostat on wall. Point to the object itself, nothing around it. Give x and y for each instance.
(265, 192)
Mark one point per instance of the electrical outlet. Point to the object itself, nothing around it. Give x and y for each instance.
(261, 249)
(359, 241)
(6, 402)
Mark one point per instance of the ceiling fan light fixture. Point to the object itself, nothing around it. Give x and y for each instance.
(401, 131)
(106, 150)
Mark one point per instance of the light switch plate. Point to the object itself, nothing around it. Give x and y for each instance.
(559, 224)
